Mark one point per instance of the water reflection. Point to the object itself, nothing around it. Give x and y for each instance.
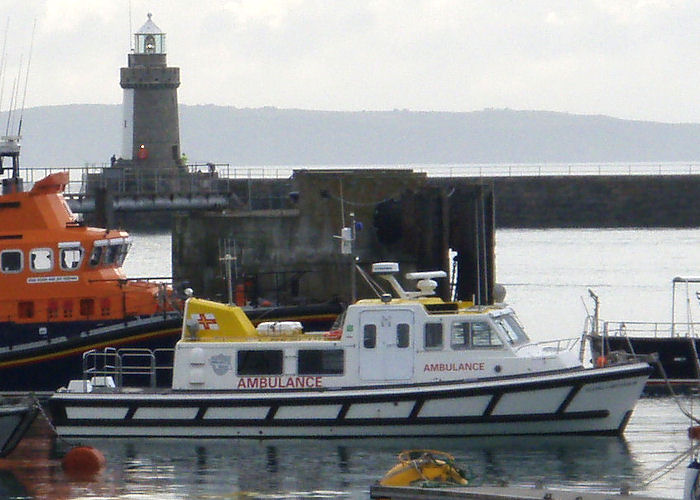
(347, 468)
(325, 468)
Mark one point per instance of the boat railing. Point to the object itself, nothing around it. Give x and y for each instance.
(649, 329)
(127, 367)
(553, 346)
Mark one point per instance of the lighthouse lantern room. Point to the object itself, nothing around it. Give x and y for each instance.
(150, 125)
(150, 39)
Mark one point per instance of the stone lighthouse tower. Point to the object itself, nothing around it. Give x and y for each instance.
(151, 131)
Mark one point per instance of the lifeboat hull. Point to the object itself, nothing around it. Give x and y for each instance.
(42, 362)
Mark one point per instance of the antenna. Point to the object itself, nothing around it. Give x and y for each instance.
(11, 107)
(131, 31)
(26, 80)
(3, 62)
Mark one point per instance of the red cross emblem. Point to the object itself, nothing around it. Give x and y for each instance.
(207, 321)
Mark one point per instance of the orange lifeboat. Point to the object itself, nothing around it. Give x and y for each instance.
(63, 290)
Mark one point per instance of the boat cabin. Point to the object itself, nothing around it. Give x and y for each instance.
(413, 337)
(53, 269)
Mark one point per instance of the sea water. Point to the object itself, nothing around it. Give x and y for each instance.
(547, 275)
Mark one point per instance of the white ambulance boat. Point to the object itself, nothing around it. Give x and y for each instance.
(404, 365)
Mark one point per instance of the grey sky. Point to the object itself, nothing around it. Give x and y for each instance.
(636, 59)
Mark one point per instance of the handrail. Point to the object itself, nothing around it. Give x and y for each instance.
(201, 171)
(650, 329)
(561, 345)
(126, 363)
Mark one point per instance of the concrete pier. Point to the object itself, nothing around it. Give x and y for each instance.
(283, 237)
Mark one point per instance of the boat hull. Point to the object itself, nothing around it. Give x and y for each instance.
(43, 364)
(595, 401)
(15, 419)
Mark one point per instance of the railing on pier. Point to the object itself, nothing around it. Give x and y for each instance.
(650, 329)
(199, 172)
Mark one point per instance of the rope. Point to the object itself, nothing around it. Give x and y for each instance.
(378, 290)
(673, 393)
(37, 403)
(667, 467)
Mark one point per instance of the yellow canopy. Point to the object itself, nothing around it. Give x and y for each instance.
(212, 321)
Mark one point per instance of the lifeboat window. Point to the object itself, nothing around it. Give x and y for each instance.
(25, 309)
(11, 261)
(403, 336)
(52, 309)
(105, 307)
(71, 258)
(87, 307)
(320, 362)
(41, 260)
(432, 337)
(68, 308)
(96, 255)
(112, 252)
(369, 336)
(267, 362)
(123, 251)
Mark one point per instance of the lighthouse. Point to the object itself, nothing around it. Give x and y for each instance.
(151, 131)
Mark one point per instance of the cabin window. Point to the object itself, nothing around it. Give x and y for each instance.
(87, 307)
(41, 260)
(432, 336)
(266, 362)
(484, 337)
(70, 257)
(460, 335)
(96, 255)
(122, 253)
(321, 362)
(111, 254)
(514, 331)
(25, 309)
(403, 336)
(369, 336)
(11, 261)
(473, 335)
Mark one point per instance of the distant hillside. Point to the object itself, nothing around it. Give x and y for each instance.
(79, 134)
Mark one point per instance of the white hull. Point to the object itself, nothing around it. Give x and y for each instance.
(595, 401)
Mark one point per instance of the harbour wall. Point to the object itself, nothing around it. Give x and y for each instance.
(597, 201)
(280, 232)
(282, 236)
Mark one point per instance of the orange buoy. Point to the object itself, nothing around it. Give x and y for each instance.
(600, 361)
(694, 432)
(83, 461)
